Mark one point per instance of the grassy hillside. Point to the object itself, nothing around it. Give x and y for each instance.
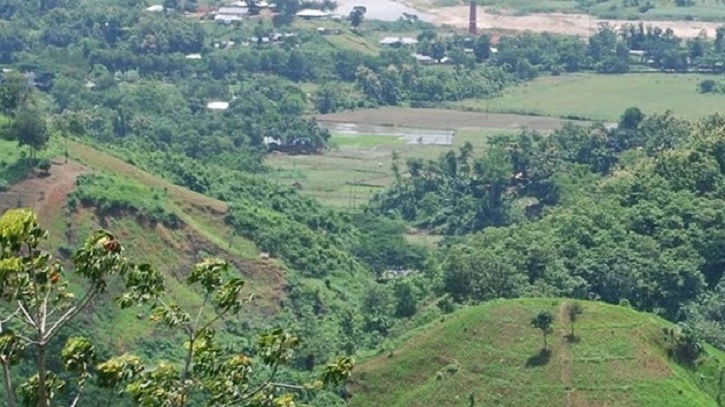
(492, 352)
(603, 97)
(167, 226)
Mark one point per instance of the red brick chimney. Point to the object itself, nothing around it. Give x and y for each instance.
(472, 29)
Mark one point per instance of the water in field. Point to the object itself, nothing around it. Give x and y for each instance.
(385, 10)
(409, 134)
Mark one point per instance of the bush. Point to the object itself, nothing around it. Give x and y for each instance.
(4, 185)
(44, 165)
(707, 86)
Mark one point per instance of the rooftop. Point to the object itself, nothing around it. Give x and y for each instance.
(398, 40)
(217, 105)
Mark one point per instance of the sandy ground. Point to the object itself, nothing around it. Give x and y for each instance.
(571, 24)
(385, 10)
(559, 23)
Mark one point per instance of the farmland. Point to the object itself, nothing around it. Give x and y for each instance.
(358, 165)
(604, 97)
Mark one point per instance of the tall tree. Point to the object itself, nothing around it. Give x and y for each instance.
(357, 15)
(482, 47)
(29, 128)
(573, 309)
(542, 321)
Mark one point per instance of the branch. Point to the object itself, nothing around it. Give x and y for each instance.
(11, 316)
(81, 386)
(263, 385)
(9, 393)
(71, 313)
(44, 308)
(287, 386)
(27, 316)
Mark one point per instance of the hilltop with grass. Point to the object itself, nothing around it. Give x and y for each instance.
(491, 355)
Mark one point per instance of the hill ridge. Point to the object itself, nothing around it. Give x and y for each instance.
(619, 359)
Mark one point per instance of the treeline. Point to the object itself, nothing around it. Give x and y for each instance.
(625, 215)
(609, 50)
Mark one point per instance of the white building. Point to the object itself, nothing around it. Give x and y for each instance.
(155, 8)
(390, 41)
(312, 14)
(227, 19)
(218, 105)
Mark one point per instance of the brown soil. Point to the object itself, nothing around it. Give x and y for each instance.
(442, 119)
(559, 23)
(46, 194)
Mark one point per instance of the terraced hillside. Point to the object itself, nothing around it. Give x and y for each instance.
(490, 355)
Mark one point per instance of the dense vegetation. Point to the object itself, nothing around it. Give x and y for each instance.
(628, 214)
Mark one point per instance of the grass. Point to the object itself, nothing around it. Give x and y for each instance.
(492, 352)
(605, 97)
(360, 166)
(12, 166)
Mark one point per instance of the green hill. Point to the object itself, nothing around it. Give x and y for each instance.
(618, 359)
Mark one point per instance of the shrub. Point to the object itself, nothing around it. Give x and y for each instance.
(707, 86)
(44, 165)
(4, 185)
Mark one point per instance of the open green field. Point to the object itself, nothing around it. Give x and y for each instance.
(492, 354)
(358, 166)
(605, 97)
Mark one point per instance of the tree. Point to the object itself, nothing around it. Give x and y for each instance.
(14, 92)
(542, 321)
(29, 128)
(438, 51)
(357, 15)
(573, 309)
(482, 47)
(39, 304)
(631, 118)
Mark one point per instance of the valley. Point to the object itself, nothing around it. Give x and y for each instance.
(304, 203)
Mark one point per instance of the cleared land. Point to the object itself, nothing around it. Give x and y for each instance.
(605, 97)
(570, 24)
(359, 166)
(491, 353)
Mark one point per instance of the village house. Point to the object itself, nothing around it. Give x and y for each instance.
(311, 14)
(398, 41)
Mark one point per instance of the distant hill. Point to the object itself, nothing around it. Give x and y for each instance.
(489, 355)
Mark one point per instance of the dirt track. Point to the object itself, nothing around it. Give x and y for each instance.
(570, 24)
(45, 194)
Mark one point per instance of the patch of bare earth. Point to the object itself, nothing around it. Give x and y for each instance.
(558, 23)
(44, 193)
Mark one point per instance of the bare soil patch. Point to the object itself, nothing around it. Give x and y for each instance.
(46, 194)
(559, 23)
(442, 119)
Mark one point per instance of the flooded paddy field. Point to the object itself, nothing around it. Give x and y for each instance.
(441, 119)
(408, 135)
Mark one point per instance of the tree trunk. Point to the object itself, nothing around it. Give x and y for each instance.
(545, 344)
(8, 385)
(42, 377)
